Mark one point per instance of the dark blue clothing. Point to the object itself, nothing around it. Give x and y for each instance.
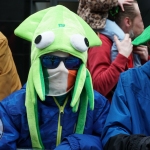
(130, 109)
(15, 131)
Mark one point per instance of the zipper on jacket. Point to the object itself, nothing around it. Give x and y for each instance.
(61, 112)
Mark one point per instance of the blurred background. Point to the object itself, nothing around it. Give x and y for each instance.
(12, 13)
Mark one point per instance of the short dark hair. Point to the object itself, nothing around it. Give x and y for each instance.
(116, 14)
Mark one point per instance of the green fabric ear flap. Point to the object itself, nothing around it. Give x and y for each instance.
(32, 113)
(38, 79)
(87, 94)
(27, 28)
(80, 80)
(75, 108)
(82, 112)
(89, 89)
(142, 38)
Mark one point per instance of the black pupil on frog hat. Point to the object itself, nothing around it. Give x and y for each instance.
(86, 42)
(38, 39)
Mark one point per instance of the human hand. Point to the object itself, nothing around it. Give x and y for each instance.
(122, 2)
(142, 51)
(125, 46)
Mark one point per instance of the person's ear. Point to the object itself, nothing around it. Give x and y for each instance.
(127, 22)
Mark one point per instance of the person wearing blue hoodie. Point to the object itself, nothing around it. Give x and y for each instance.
(128, 121)
(127, 125)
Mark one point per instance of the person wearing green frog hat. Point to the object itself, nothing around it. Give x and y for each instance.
(57, 108)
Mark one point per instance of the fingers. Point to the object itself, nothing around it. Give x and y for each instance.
(128, 3)
(122, 2)
(142, 51)
(130, 0)
(116, 39)
(122, 7)
(140, 48)
(124, 47)
(127, 36)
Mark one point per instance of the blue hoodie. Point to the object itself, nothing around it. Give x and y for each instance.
(14, 130)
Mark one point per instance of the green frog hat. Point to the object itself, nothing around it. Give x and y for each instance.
(50, 30)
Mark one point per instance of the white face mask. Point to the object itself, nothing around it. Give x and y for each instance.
(60, 80)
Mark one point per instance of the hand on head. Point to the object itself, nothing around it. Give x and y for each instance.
(125, 46)
(122, 2)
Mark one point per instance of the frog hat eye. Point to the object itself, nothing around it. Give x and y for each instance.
(45, 39)
(79, 42)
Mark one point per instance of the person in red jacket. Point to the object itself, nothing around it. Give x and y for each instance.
(105, 72)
